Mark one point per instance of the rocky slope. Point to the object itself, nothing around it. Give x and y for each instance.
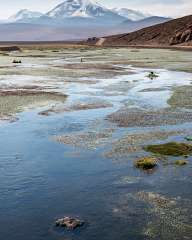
(171, 33)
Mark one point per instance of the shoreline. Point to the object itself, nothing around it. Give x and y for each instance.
(73, 44)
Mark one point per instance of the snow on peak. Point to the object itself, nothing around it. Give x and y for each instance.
(78, 8)
(24, 14)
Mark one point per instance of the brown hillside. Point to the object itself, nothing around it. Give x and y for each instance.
(173, 33)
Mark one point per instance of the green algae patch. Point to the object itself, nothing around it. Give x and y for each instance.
(146, 163)
(181, 162)
(170, 149)
(182, 97)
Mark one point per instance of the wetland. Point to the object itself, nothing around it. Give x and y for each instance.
(87, 134)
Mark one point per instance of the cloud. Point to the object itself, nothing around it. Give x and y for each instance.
(173, 8)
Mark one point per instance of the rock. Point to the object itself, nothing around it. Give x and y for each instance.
(69, 223)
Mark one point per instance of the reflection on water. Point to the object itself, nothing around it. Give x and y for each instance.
(72, 160)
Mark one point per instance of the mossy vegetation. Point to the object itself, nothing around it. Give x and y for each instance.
(17, 61)
(181, 162)
(188, 138)
(152, 75)
(170, 149)
(146, 163)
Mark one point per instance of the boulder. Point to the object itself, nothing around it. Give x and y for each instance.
(69, 223)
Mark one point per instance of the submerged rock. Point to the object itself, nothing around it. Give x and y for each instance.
(171, 148)
(69, 223)
(146, 163)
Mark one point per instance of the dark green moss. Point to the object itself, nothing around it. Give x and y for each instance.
(181, 162)
(146, 163)
(189, 138)
(172, 149)
(17, 61)
(152, 75)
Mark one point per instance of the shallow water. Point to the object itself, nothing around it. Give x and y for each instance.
(42, 179)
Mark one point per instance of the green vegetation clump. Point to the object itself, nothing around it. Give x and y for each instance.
(152, 75)
(171, 148)
(189, 138)
(17, 61)
(146, 163)
(181, 162)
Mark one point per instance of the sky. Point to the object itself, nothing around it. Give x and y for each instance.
(169, 8)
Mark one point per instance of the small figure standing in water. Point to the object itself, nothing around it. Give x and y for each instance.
(81, 60)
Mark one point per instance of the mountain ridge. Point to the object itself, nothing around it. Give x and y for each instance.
(174, 32)
(78, 12)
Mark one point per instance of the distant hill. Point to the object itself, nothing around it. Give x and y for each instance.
(45, 28)
(130, 26)
(173, 32)
(36, 32)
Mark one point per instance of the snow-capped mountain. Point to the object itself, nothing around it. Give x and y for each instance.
(24, 15)
(131, 14)
(84, 9)
(87, 14)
